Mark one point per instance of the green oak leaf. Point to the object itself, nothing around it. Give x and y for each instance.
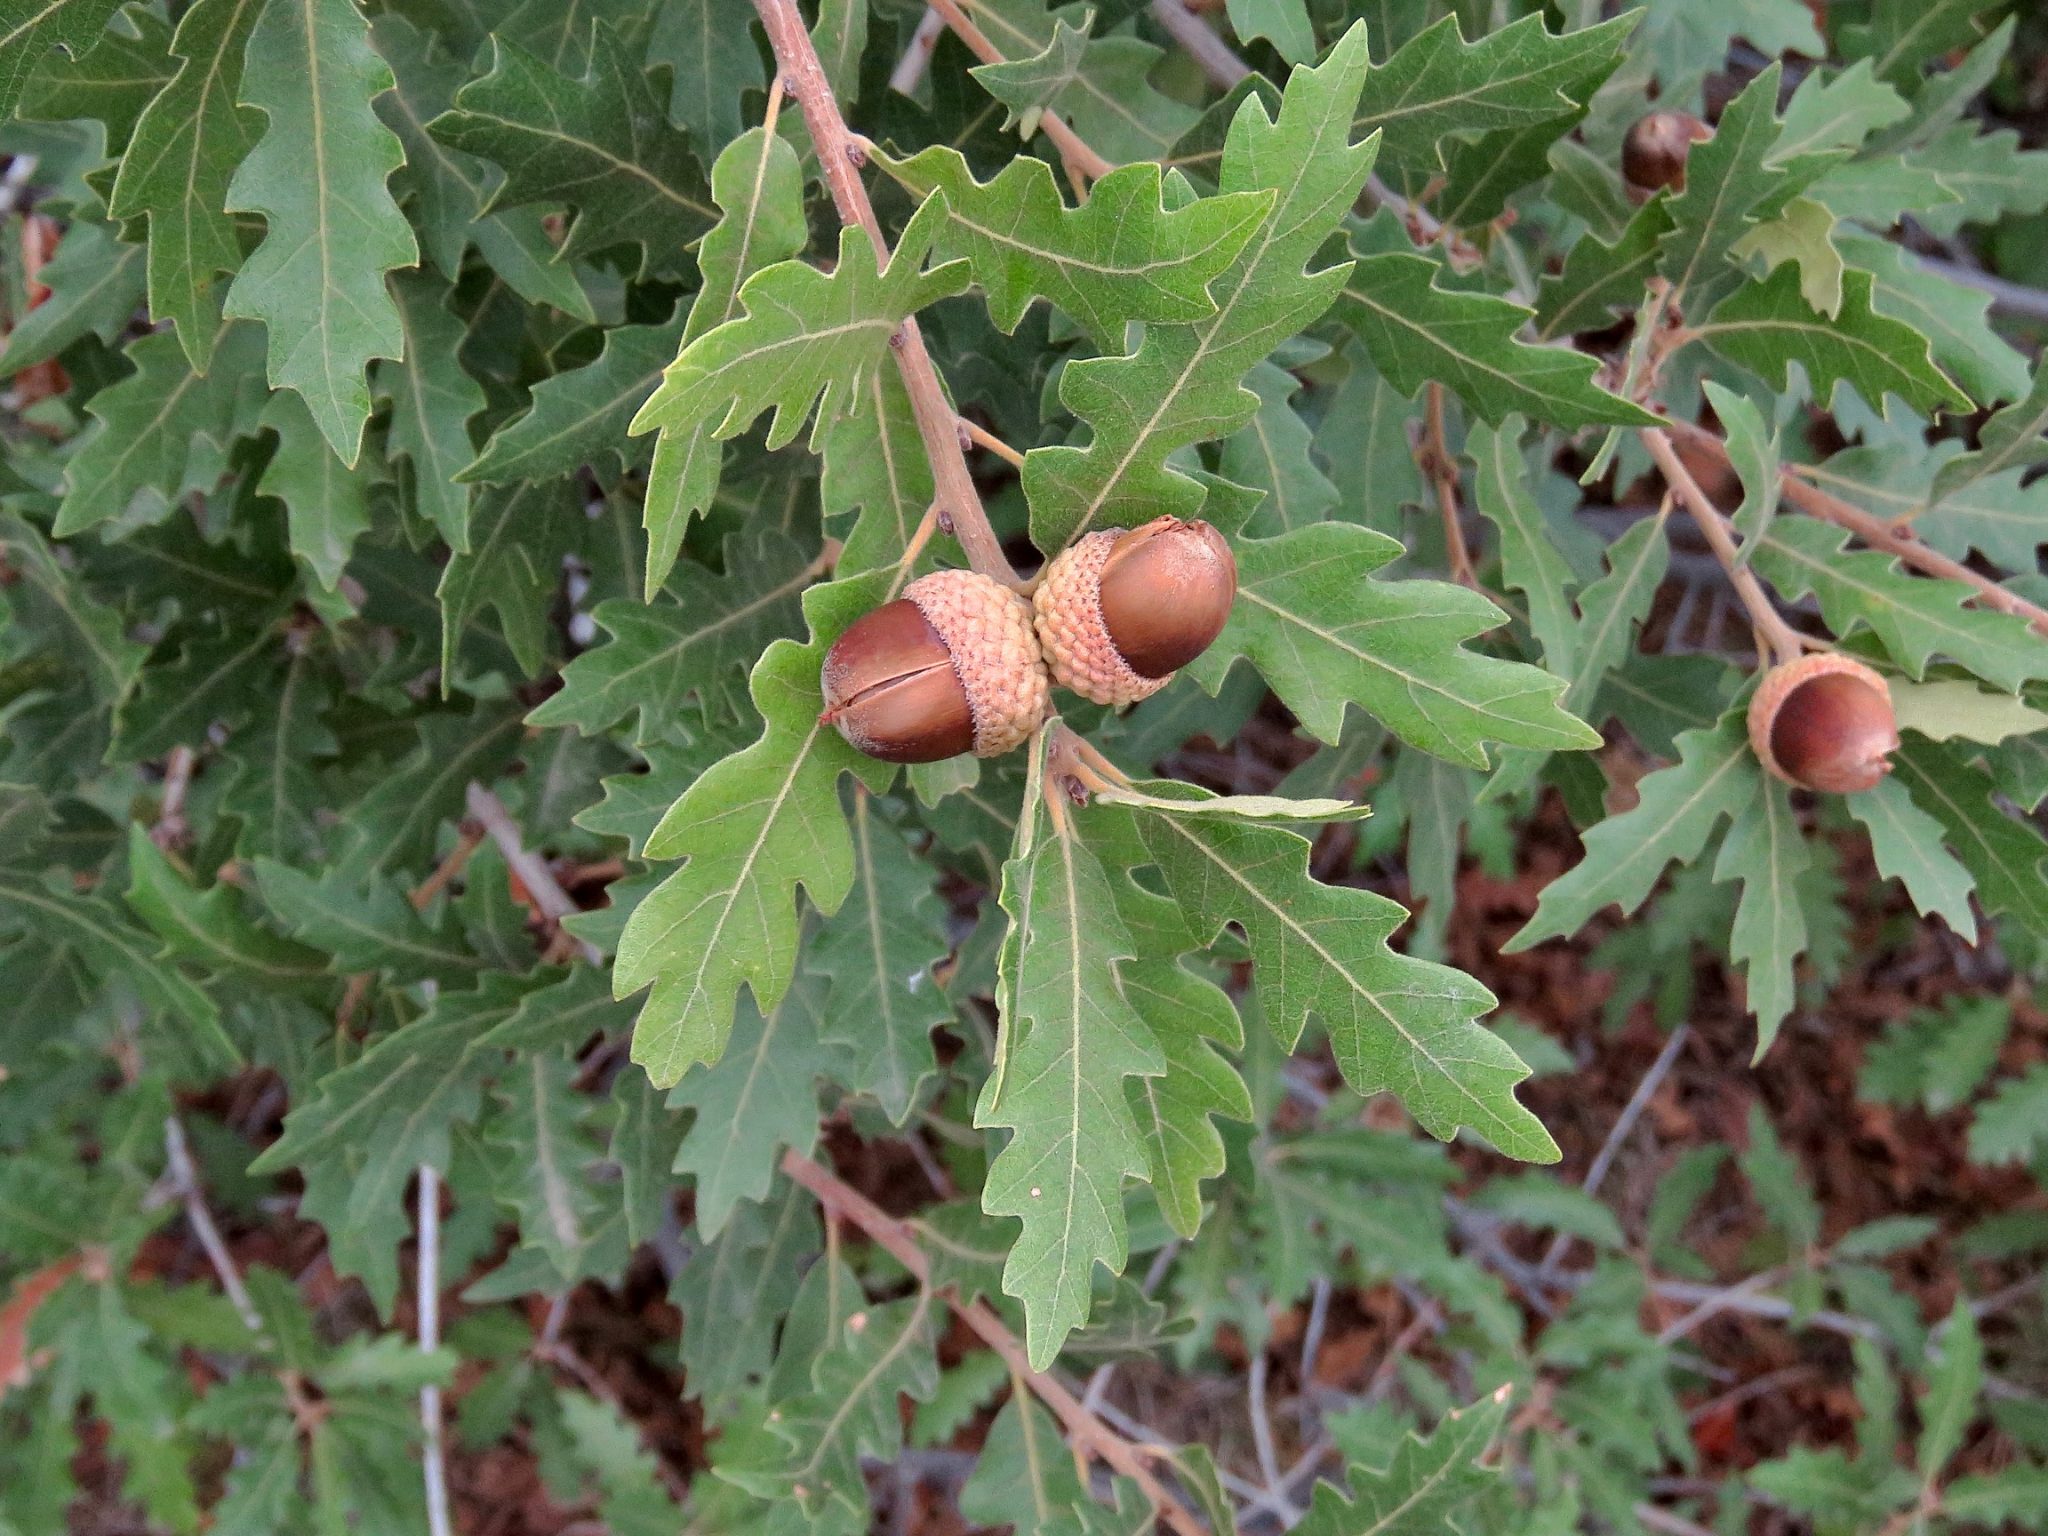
(1766, 851)
(1070, 1038)
(1423, 1487)
(1675, 814)
(432, 399)
(1183, 384)
(879, 950)
(327, 504)
(1767, 326)
(1309, 617)
(160, 433)
(601, 143)
(1396, 1024)
(450, 189)
(359, 1138)
(1417, 332)
(696, 640)
(29, 29)
(187, 146)
(1437, 87)
(318, 178)
(758, 1098)
(111, 83)
(2007, 857)
(751, 830)
(95, 282)
(1121, 256)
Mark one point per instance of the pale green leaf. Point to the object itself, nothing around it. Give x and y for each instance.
(1906, 843)
(1766, 851)
(1530, 562)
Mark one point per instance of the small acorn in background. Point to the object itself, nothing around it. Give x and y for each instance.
(1654, 152)
(1824, 722)
(951, 666)
(1121, 610)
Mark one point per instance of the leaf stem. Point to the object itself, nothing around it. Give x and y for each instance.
(1089, 1434)
(1879, 534)
(840, 159)
(1080, 156)
(1785, 642)
(995, 445)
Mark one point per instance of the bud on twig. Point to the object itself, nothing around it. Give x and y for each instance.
(1121, 611)
(949, 667)
(1824, 722)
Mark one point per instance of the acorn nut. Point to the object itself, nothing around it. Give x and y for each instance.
(1824, 722)
(1121, 610)
(1654, 152)
(951, 666)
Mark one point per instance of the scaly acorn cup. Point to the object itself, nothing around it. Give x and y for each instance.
(951, 666)
(1653, 154)
(1121, 610)
(1824, 722)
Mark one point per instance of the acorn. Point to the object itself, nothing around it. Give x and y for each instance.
(951, 666)
(1824, 722)
(1654, 152)
(1121, 610)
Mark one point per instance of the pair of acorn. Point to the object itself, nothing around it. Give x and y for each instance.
(961, 663)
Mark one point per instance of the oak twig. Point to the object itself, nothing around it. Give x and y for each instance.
(1441, 467)
(1785, 642)
(1088, 1433)
(840, 159)
(1907, 546)
(553, 903)
(185, 1180)
(427, 1291)
(1080, 156)
(1881, 535)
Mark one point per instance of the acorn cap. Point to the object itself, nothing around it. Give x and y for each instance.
(988, 634)
(891, 691)
(1121, 610)
(1824, 722)
(1654, 152)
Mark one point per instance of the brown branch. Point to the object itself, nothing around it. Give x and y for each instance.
(1442, 469)
(467, 840)
(840, 159)
(1879, 534)
(1088, 1433)
(1080, 156)
(1785, 642)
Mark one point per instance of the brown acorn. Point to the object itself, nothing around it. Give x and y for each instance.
(1654, 152)
(951, 666)
(1121, 610)
(1824, 722)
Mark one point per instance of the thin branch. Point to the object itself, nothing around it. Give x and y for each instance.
(489, 812)
(1879, 534)
(1080, 156)
(840, 159)
(1906, 546)
(1785, 642)
(185, 1179)
(917, 54)
(1088, 1433)
(1624, 1123)
(2013, 298)
(1262, 1423)
(983, 438)
(170, 826)
(1437, 462)
(468, 839)
(427, 1289)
